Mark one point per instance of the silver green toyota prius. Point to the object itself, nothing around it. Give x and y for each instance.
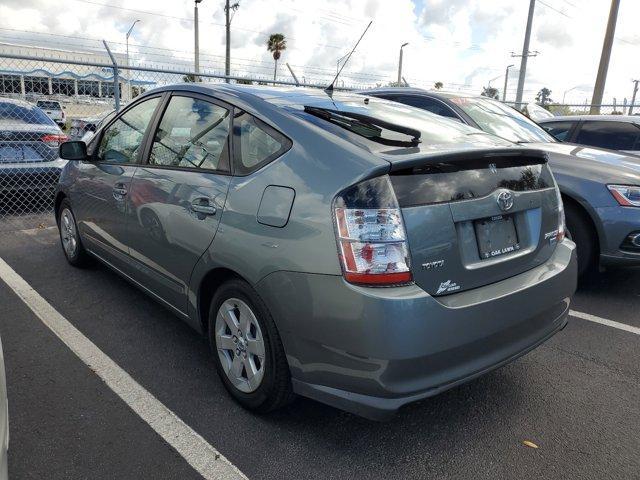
(353, 250)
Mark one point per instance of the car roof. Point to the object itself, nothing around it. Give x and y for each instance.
(593, 118)
(417, 91)
(17, 102)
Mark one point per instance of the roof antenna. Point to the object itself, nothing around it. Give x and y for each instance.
(329, 89)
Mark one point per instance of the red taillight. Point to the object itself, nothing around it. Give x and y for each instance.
(54, 140)
(371, 236)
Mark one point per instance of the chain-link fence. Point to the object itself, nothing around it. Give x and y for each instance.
(44, 102)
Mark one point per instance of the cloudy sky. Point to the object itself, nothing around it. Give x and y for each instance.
(463, 43)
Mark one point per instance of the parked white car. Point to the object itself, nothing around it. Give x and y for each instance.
(53, 109)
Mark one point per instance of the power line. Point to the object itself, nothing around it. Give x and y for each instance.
(554, 9)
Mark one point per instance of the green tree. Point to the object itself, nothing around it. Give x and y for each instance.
(191, 78)
(544, 97)
(490, 92)
(276, 45)
(438, 85)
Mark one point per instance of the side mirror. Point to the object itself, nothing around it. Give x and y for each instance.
(75, 150)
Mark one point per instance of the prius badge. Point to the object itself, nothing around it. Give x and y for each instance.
(505, 200)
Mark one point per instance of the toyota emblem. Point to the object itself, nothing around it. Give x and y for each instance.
(505, 200)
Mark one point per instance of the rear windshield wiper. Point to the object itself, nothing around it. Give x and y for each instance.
(367, 126)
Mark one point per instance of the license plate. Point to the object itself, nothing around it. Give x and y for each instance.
(11, 154)
(496, 236)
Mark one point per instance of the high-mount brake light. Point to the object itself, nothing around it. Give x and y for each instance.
(371, 235)
(53, 140)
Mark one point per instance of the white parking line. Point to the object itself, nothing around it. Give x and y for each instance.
(205, 459)
(604, 321)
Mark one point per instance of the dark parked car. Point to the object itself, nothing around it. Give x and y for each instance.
(615, 132)
(354, 251)
(29, 162)
(600, 188)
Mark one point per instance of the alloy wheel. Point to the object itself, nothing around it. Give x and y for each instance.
(240, 345)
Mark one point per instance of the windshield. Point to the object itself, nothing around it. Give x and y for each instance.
(502, 120)
(18, 114)
(48, 105)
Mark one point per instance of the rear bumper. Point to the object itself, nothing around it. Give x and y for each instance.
(370, 351)
(618, 223)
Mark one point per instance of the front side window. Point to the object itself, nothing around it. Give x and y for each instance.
(560, 130)
(192, 134)
(613, 135)
(121, 141)
(501, 120)
(255, 143)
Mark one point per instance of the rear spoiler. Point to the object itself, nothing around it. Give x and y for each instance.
(470, 159)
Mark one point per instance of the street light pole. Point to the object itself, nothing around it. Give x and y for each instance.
(567, 91)
(506, 80)
(129, 71)
(196, 39)
(400, 64)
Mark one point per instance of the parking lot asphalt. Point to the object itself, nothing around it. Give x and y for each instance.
(577, 397)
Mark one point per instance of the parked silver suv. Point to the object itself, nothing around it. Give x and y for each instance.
(353, 250)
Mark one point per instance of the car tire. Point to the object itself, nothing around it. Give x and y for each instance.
(580, 230)
(72, 247)
(249, 314)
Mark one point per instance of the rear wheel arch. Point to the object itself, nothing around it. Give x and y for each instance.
(60, 196)
(207, 289)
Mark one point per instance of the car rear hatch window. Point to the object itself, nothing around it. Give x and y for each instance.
(477, 218)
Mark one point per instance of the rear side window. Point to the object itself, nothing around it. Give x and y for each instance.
(613, 135)
(560, 130)
(192, 134)
(425, 103)
(121, 141)
(48, 105)
(255, 143)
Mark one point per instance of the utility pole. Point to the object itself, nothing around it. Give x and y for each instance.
(129, 95)
(506, 81)
(228, 18)
(400, 64)
(633, 97)
(196, 62)
(601, 79)
(525, 54)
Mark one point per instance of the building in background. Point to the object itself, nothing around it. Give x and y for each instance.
(31, 80)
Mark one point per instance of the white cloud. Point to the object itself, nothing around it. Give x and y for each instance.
(463, 43)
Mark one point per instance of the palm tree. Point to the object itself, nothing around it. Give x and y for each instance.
(276, 44)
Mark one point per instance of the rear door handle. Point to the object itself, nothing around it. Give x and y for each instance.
(203, 205)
